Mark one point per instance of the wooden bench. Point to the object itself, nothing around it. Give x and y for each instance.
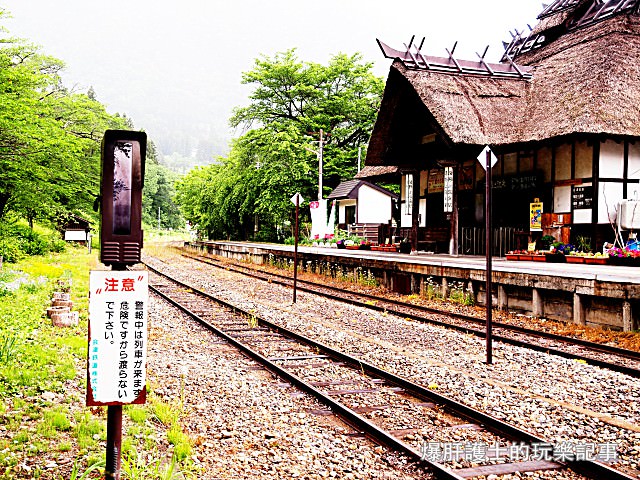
(435, 239)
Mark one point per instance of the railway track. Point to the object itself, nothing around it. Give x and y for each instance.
(600, 355)
(410, 418)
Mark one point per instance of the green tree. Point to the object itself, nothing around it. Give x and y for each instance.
(159, 193)
(341, 98)
(291, 102)
(49, 137)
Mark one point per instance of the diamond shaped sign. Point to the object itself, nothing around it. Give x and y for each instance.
(297, 199)
(482, 158)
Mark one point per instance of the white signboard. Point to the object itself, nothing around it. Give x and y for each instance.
(448, 189)
(408, 205)
(75, 235)
(297, 199)
(482, 158)
(118, 307)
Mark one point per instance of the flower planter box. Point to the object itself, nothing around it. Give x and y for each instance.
(513, 256)
(596, 260)
(624, 261)
(575, 259)
(353, 247)
(539, 258)
(405, 248)
(555, 258)
(526, 258)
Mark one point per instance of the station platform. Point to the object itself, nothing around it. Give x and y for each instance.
(597, 295)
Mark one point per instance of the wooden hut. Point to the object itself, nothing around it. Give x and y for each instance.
(364, 208)
(561, 111)
(76, 229)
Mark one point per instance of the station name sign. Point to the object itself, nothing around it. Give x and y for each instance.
(117, 356)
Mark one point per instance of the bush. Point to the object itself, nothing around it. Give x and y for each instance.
(56, 244)
(266, 234)
(34, 245)
(19, 241)
(11, 252)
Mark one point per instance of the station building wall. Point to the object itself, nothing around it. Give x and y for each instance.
(586, 178)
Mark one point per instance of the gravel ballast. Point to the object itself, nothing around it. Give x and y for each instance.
(554, 398)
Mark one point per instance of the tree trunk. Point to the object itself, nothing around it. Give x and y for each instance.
(4, 199)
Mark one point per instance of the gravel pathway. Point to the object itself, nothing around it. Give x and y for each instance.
(244, 422)
(558, 399)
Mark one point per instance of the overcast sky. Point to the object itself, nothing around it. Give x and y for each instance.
(179, 63)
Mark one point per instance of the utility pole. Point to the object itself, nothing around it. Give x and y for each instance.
(320, 165)
(319, 155)
(359, 157)
(158, 218)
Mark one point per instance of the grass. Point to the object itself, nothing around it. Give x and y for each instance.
(42, 385)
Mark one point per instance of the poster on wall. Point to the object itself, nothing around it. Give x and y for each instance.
(436, 181)
(535, 216)
(581, 197)
(465, 178)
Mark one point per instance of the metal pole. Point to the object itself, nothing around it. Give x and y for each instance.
(295, 251)
(114, 442)
(359, 157)
(488, 245)
(320, 165)
(158, 218)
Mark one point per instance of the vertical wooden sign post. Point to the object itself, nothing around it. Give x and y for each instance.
(116, 373)
(487, 159)
(118, 299)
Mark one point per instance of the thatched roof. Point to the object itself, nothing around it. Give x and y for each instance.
(587, 81)
(371, 172)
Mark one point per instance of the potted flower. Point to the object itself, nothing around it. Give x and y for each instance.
(526, 255)
(557, 253)
(624, 257)
(597, 258)
(545, 242)
(513, 255)
(575, 257)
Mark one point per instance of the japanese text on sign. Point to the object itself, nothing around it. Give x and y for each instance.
(448, 189)
(581, 197)
(118, 306)
(478, 452)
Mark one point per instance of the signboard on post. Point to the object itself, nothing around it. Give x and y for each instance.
(488, 159)
(118, 309)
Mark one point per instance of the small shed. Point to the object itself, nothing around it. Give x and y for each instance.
(362, 202)
(77, 229)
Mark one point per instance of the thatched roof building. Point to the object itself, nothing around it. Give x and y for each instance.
(561, 111)
(585, 78)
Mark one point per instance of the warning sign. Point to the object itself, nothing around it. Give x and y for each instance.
(117, 357)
